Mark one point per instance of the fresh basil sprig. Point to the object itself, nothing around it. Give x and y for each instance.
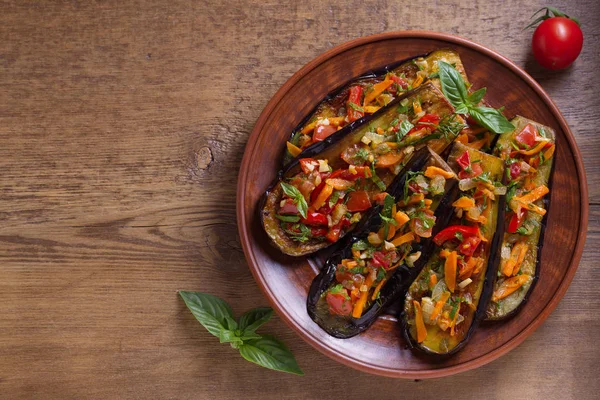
(297, 197)
(455, 90)
(216, 316)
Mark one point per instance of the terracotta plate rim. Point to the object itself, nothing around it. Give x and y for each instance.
(244, 230)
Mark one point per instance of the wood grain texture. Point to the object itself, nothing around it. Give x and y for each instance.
(122, 127)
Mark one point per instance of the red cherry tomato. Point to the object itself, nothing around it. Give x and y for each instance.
(464, 161)
(515, 170)
(557, 42)
(338, 304)
(322, 132)
(358, 201)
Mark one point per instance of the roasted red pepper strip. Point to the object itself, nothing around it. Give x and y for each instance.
(516, 220)
(464, 161)
(354, 101)
(358, 201)
(451, 231)
(315, 219)
(469, 245)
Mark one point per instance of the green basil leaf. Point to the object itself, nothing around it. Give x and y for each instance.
(288, 218)
(403, 129)
(491, 119)
(453, 84)
(270, 353)
(299, 200)
(250, 335)
(302, 206)
(227, 336)
(461, 109)
(477, 96)
(251, 320)
(212, 312)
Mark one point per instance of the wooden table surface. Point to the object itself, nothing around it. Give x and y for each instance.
(122, 128)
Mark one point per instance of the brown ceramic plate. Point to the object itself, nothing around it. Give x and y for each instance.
(285, 280)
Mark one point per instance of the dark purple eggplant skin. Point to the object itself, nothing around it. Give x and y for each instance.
(538, 263)
(486, 294)
(346, 327)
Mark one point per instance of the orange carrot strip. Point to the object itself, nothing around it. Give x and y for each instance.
(534, 150)
(420, 324)
(376, 90)
(377, 289)
(360, 304)
(464, 202)
(450, 270)
(322, 197)
(439, 304)
(339, 184)
(550, 152)
(389, 159)
(406, 238)
(293, 149)
(432, 280)
(509, 286)
(401, 218)
(432, 171)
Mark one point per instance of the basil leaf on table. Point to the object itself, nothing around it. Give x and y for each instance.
(211, 311)
(251, 320)
(216, 316)
(270, 353)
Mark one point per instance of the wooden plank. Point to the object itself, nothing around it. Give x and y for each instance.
(122, 126)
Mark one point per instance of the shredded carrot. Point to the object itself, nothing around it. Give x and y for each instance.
(453, 323)
(389, 159)
(466, 269)
(444, 253)
(322, 197)
(450, 270)
(309, 128)
(418, 81)
(534, 150)
(414, 199)
(376, 90)
(417, 107)
(439, 304)
(523, 247)
(528, 199)
(432, 171)
(462, 138)
(406, 238)
(419, 323)
(432, 280)
(428, 202)
(391, 232)
(478, 144)
(355, 253)
(478, 266)
(401, 218)
(464, 202)
(509, 286)
(550, 152)
(360, 304)
(293, 149)
(377, 289)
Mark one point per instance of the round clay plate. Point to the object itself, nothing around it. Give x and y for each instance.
(285, 280)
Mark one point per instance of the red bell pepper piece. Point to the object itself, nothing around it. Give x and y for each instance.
(451, 231)
(399, 81)
(516, 220)
(318, 232)
(464, 160)
(304, 164)
(354, 97)
(358, 201)
(515, 170)
(338, 304)
(315, 219)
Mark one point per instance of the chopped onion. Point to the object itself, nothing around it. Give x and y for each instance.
(438, 289)
(427, 306)
(421, 62)
(374, 138)
(363, 288)
(437, 184)
(374, 239)
(352, 169)
(324, 122)
(365, 140)
(411, 259)
(338, 212)
(466, 184)
(474, 213)
(505, 253)
(323, 166)
(525, 167)
(459, 319)
(409, 150)
(465, 283)
(388, 246)
(468, 298)
(423, 73)
(318, 180)
(419, 115)
(500, 190)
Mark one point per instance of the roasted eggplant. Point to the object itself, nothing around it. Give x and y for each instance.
(528, 153)
(359, 281)
(319, 198)
(445, 303)
(365, 95)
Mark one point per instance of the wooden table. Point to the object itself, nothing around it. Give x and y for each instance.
(122, 128)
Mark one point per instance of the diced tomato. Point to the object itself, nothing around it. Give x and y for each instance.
(358, 201)
(322, 132)
(451, 233)
(516, 220)
(338, 304)
(306, 164)
(414, 187)
(476, 170)
(401, 82)
(527, 135)
(354, 97)
(380, 197)
(464, 161)
(469, 245)
(334, 233)
(361, 172)
(381, 259)
(515, 170)
(315, 219)
(418, 227)
(288, 208)
(318, 232)
(429, 119)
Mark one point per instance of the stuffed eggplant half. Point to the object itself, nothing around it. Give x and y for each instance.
(444, 304)
(528, 153)
(359, 281)
(319, 198)
(365, 95)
